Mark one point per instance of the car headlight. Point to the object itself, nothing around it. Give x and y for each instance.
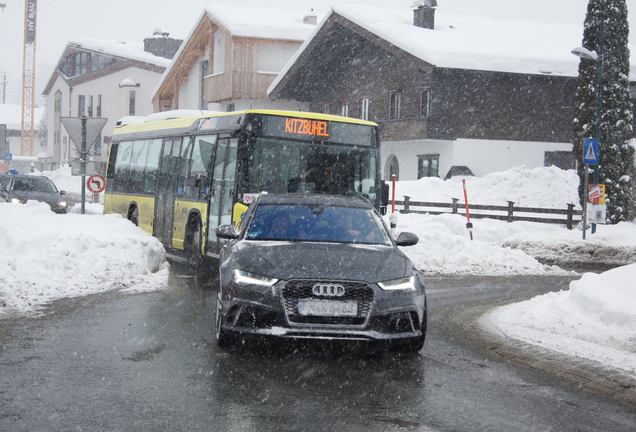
(62, 203)
(16, 201)
(407, 283)
(245, 278)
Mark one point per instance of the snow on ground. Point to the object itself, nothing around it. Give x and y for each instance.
(44, 256)
(594, 320)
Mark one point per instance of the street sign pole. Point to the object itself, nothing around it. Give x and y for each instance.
(590, 157)
(585, 203)
(81, 131)
(83, 208)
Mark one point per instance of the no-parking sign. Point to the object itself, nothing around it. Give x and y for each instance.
(96, 183)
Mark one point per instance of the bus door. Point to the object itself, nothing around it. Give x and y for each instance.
(164, 204)
(222, 191)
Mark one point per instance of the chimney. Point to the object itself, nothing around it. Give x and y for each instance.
(424, 13)
(310, 18)
(161, 45)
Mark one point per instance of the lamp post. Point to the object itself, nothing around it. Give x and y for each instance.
(591, 55)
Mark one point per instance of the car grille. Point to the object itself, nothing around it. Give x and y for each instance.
(359, 292)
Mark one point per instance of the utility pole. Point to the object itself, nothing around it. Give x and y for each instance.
(28, 79)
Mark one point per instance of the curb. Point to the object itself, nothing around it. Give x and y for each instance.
(463, 323)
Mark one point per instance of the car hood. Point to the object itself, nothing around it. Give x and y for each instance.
(343, 261)
(46, 197)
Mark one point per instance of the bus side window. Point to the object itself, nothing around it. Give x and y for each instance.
(110, 174)
(122, 165)
(186, 156)
(152, 166)
(198, 183)
(138, 166)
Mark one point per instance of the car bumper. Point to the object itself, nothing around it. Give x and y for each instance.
(277, 311)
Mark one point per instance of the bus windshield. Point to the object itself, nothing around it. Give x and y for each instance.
(283, 166)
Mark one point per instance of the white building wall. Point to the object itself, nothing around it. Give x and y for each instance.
(481, 156)
(486, 156)
(114, 104)
(189, 93)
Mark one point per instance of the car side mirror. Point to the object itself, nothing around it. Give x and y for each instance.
(62, 192)
(226, 232)
(407, 239)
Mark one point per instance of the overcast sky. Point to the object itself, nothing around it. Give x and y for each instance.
(133, 20)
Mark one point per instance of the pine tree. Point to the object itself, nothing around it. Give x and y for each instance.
(616, 155)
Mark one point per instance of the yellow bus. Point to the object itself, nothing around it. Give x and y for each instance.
(178, 176)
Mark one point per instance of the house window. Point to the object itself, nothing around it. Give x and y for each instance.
(230, 107)
(98, 110)
(272, 58)
(90, 106)
(568, 100)
(326, 109)
(425, 103)
(427, 166)
(344, 108)
(364, 108)
(218, 65)
(131, 102)
(370, 52)
(81, 64)
(395, 105)
(81, 106)
(561, 159)
(204, 72)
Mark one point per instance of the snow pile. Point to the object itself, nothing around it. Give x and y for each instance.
(594, 320)
(549, 187)
(445, 247)
(63, 179)
(501, 248)
(45, 256)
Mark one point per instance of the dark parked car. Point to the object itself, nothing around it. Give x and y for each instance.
(319, 267)
(22, 188)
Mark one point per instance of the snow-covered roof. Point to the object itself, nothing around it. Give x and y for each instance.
(11, 115)
(129, 50)
(263, 22)
(468, 42)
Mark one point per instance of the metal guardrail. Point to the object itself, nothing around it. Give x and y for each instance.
(572, 216)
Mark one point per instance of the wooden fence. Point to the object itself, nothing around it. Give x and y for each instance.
(508, 213)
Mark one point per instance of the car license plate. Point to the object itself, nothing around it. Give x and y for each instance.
(327, 308)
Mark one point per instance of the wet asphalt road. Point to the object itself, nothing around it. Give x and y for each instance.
(149, 362)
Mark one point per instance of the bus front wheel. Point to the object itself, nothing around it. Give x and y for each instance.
(133, 215)
(193, 242)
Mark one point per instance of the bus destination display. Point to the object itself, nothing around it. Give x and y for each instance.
(306, 127)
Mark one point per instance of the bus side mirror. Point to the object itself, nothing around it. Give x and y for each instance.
(238, 213)
(385, 193)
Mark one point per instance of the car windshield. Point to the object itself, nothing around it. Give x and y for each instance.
(34, 185)
(317, 223)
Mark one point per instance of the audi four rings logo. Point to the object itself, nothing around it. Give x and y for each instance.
(328, 290)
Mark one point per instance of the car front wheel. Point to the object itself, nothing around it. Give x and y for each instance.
(222, 338)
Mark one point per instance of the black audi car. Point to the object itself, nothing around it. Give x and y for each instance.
(22, 188)
(318, 267)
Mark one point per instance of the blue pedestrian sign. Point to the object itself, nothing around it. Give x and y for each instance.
(8, 156)
(590, 152)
